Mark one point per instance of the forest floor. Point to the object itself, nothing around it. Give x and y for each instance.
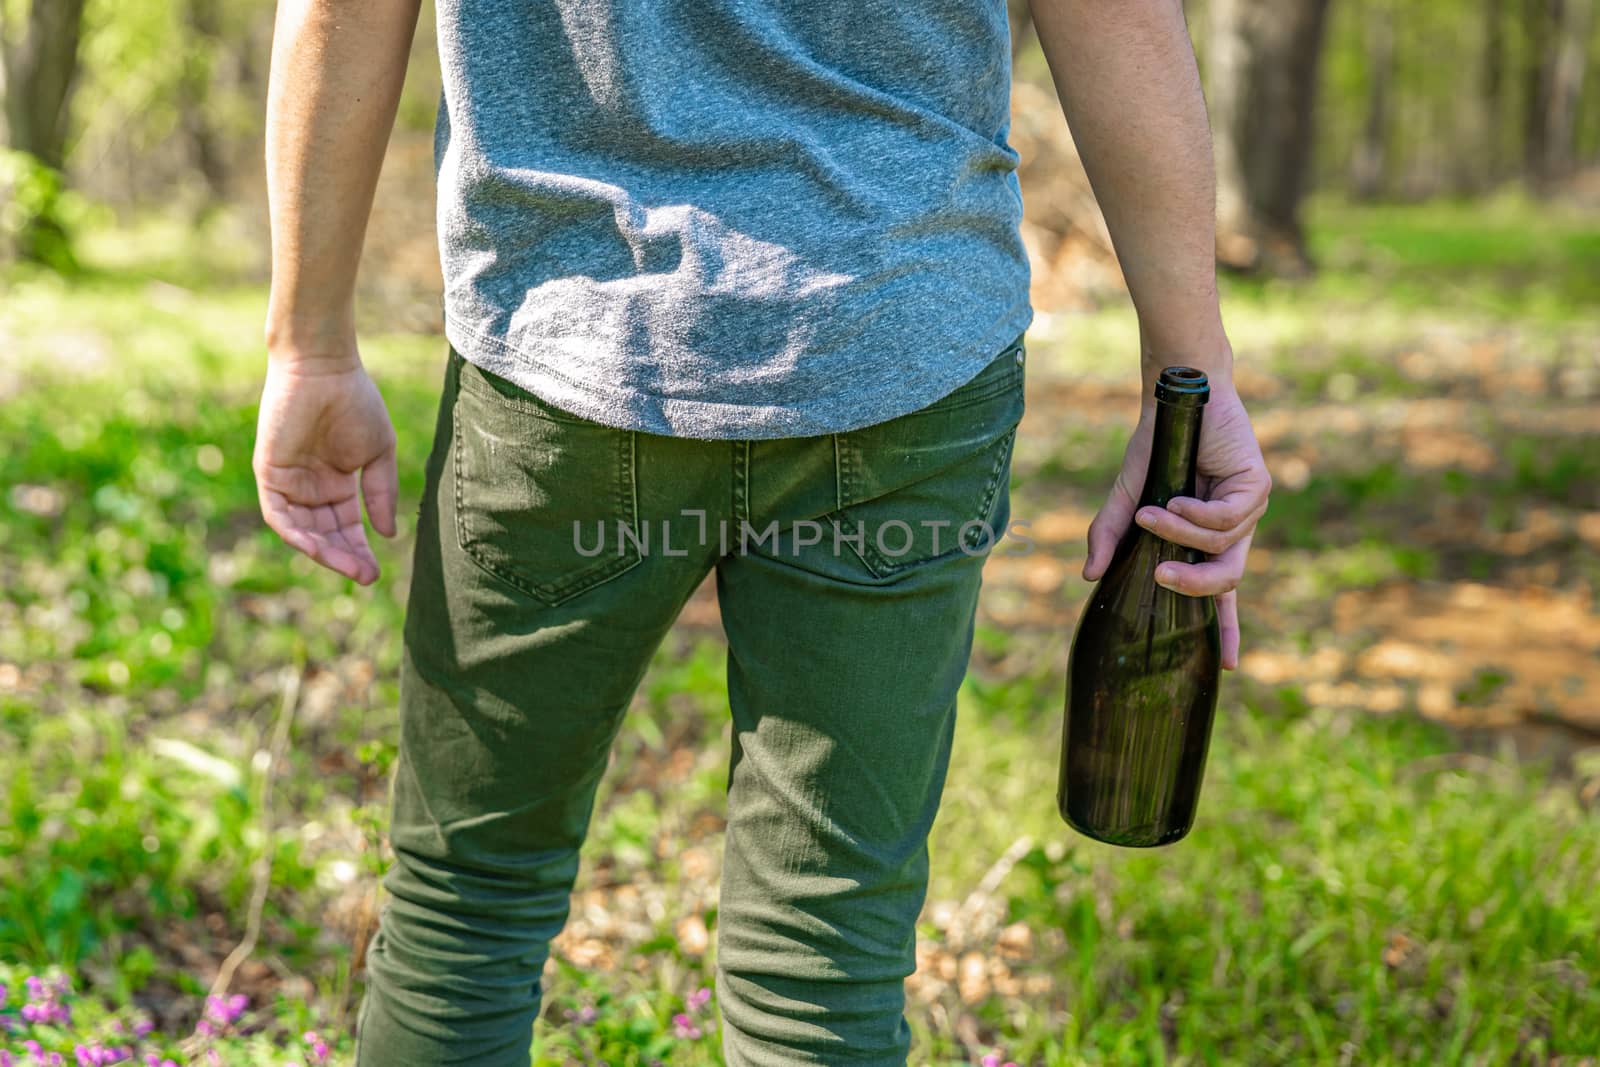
(1400, 836)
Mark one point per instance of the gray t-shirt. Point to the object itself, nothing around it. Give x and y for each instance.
(730, 218)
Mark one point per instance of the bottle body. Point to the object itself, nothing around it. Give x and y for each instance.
(1141, 696)
(1143, 673)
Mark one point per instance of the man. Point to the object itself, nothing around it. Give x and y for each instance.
(730, 285)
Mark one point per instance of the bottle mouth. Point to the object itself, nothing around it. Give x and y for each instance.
(1183, 385)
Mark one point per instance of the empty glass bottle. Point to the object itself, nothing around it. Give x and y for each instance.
(1142, 676)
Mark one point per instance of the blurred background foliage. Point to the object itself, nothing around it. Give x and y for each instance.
(143, 100)
(148, 101)
(1400, 840)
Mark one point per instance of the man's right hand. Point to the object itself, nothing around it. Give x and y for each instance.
(323, 442)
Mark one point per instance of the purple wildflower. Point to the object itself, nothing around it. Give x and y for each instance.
(316, 1048)
(223, 1012)
(684, 1027)
(45, 1003)
(699, 998)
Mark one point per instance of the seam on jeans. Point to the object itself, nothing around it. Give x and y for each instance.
(885, 568)
(559, 591)
(989, 393)
(850, 455)
(839, 477)
(455, 462)
(846, 460)
(741, 481)
(631, 490)
(627, 503)
(986, 512)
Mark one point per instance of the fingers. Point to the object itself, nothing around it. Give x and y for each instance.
(338, 553)
(380, 487)
(1107, 529)
(1228, 623)
(1171, 524)
(1234, 501)
(1213, 577)
(330, 534)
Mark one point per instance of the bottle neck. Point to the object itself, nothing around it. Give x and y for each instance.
(1174, 450)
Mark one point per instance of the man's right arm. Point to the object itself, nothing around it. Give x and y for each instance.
(337, 70)
(324, 442)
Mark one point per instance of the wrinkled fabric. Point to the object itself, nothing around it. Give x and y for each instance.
(849, 616)
(729, 218)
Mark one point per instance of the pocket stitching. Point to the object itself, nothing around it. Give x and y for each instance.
(847, 472)
(848, 462)
(987, 511)
(561, 590)
(556, 591)
(884, 568)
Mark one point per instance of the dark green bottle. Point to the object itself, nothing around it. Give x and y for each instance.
(1142, 677)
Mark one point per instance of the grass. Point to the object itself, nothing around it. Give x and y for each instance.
(1501, 258)
(1358, 890)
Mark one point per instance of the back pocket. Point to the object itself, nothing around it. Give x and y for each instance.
(933, 483)
(542, 497)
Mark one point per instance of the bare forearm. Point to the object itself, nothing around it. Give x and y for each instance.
(1125, 71)
(337, 70)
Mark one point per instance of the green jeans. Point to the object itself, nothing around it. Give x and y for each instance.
(552, 556)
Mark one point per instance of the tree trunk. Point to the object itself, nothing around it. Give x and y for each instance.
(194, 88)
(40, 70)
(1263, 85)
(1494, 89)
(1370, 165)
(1536, 17)
(1568, 51)
(1225, 86)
